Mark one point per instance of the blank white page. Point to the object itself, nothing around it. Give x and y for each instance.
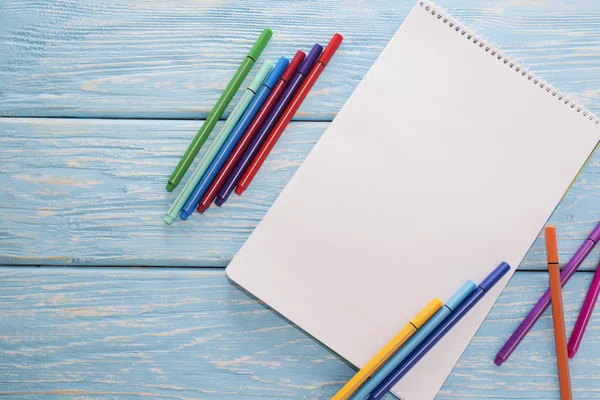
(444, 162)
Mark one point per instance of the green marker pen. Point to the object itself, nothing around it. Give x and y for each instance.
(233, 119)
(218, 109)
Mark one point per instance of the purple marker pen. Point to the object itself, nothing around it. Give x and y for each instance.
(544, 302)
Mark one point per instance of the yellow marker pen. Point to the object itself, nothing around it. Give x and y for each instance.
(388, 350)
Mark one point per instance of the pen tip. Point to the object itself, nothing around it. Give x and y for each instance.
(498, 361)
(170, 187)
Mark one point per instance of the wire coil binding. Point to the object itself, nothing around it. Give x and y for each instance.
(490, 48)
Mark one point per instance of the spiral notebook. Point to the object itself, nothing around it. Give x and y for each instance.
(447, 159)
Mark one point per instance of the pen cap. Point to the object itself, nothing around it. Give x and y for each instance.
(595, 235)
(495, 276)
(311, 59)
(551, 245)
(260, 44)
(331, 48)
(426, 313)
(294, 65)
(458, 297)
(276, 73)
(258, 80)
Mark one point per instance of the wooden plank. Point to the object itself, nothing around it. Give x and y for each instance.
(190, 334)
(88, 192)
(149, 59)
(181, 334)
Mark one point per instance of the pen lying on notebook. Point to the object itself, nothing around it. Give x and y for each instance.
(289, 112)
(439, 332)
(415, 340)
(388, 350)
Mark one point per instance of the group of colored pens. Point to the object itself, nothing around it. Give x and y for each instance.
(251, 130)
(553, 295)
(405, 349)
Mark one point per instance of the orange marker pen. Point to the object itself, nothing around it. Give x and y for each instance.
(558, 316)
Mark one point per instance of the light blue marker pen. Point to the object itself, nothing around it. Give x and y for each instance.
(414, 341)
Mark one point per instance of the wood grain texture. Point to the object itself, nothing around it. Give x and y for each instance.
(190, 334)
(149, 59)
(91, 192)
(132, 333)
(97, 196)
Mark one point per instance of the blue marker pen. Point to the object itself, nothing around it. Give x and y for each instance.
(236, 134)
(415, 340)
(439, 332)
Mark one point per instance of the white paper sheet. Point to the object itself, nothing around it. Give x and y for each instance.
(444, 162)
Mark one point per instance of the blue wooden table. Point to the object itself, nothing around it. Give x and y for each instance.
(99, 100)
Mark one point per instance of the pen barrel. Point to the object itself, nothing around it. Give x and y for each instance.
(279, 128)
(209, 124)
(543, 304)
(388, 351)
(560, 336)
(402, 353)
(551, 244)
(585, 314)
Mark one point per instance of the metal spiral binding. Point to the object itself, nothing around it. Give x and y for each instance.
(452, 23)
